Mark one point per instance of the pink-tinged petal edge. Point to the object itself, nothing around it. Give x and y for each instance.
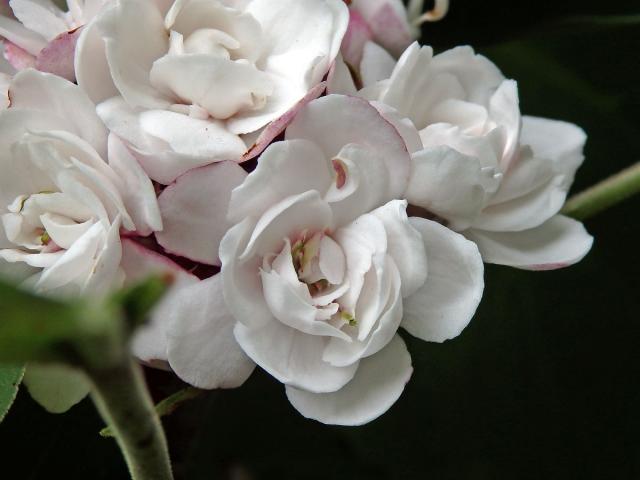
(58, 56)
(17, 57)
(390, 31)
(278, 126)
(358, 34)
(152, 258)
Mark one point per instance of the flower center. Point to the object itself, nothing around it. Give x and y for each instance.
(44, 222)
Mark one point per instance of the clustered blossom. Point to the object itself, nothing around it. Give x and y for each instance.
(313, 180)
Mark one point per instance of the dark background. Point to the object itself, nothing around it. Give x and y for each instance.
(544, 382)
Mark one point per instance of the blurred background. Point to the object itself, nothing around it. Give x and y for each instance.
(542, 384)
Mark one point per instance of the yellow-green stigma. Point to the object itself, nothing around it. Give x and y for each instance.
(349, 318)
(45, 238)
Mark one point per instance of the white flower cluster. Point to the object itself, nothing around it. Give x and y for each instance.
(312, 178)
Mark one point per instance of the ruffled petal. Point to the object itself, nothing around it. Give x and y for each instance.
(336, 120)
(285, 168)
(449, 184)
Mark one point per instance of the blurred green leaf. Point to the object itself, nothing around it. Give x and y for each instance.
(137, 301)
(10, 378)
(38, 328)
(57, 388)
(33, 327)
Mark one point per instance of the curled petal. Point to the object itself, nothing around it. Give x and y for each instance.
(336, 120)
(376, 386)
(302, 366)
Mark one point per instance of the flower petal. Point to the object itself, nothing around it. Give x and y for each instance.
(58, 56)
(336, 120)
(285, 168)
(48, 93)
(21, 36)
(194, 211)
(357, 35)
(221, 86)
(201, 346)
(15, 58)
(91, 66)
(242, 285)
(41, 16)
(276, 127)
(560, 142)
(447, 301)
(376, 386)
(134, 37)
(303, 38)
(340, 80)
(376, 64)
(404, 244)
(291, 216)
(191, 143)
(293, 357)
(557, 243)
(388, 22)
(150, 341)
(449, 184)
(137, 191)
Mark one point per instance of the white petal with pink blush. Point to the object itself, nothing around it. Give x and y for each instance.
(319, 265)
(67, 188)
(267, 56)
(40, 34)
(479, 167)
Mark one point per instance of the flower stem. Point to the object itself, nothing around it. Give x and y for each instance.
(122, 399)
(166, 406)
(605, 194)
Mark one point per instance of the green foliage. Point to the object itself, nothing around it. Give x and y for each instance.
(56, 387)
(10, 377)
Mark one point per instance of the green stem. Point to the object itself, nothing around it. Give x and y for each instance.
(122, 399)
(166, 406)
(605, 194)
